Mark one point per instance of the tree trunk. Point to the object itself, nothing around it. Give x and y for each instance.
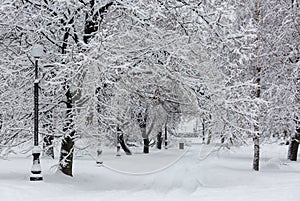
(294, 144)
(256, 153)
(66, 154)
(92, 22)
(1, 121)
(145, 136)
(159, 140)
(142, 119)
(146, 146)
(123, 143)
(94, 19)
(166, 136)
(209, 137)
(258, 95)
(293, 148)
(209, 130)
(67, 146)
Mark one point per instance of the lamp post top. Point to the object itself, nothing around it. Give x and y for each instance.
(37, 51)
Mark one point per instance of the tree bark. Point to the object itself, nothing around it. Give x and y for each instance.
(142, 120)
(1, 121)
(256, 153)
(294, 144)
(159, 140)
(94, 19)
(122, 142)
(258, 95)
(146, 146)
(67, 146)
(166, 136)
(209, 137)
(293, 148)
(209, 130)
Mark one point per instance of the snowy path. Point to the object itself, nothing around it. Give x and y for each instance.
(223, 175)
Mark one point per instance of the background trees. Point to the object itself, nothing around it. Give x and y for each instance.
(137, 67)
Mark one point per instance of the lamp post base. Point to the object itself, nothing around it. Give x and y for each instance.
(36, 169)
(36, 177)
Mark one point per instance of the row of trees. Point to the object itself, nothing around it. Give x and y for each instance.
(123, 66)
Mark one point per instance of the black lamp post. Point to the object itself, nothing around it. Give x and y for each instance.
(36, 52)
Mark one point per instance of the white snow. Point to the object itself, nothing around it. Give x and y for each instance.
(200, 172)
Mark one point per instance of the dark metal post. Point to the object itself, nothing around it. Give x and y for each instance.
(166, 136)
(36, 105)
(203, 131)
(36, 167)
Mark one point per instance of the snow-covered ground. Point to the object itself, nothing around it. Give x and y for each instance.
(199, 172)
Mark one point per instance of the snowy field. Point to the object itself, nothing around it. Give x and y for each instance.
(199, 172)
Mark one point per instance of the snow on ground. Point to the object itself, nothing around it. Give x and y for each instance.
(199, 172)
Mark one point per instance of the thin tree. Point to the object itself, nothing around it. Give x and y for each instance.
(257, 94)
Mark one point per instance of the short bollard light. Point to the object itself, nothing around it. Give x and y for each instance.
(181, 145)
